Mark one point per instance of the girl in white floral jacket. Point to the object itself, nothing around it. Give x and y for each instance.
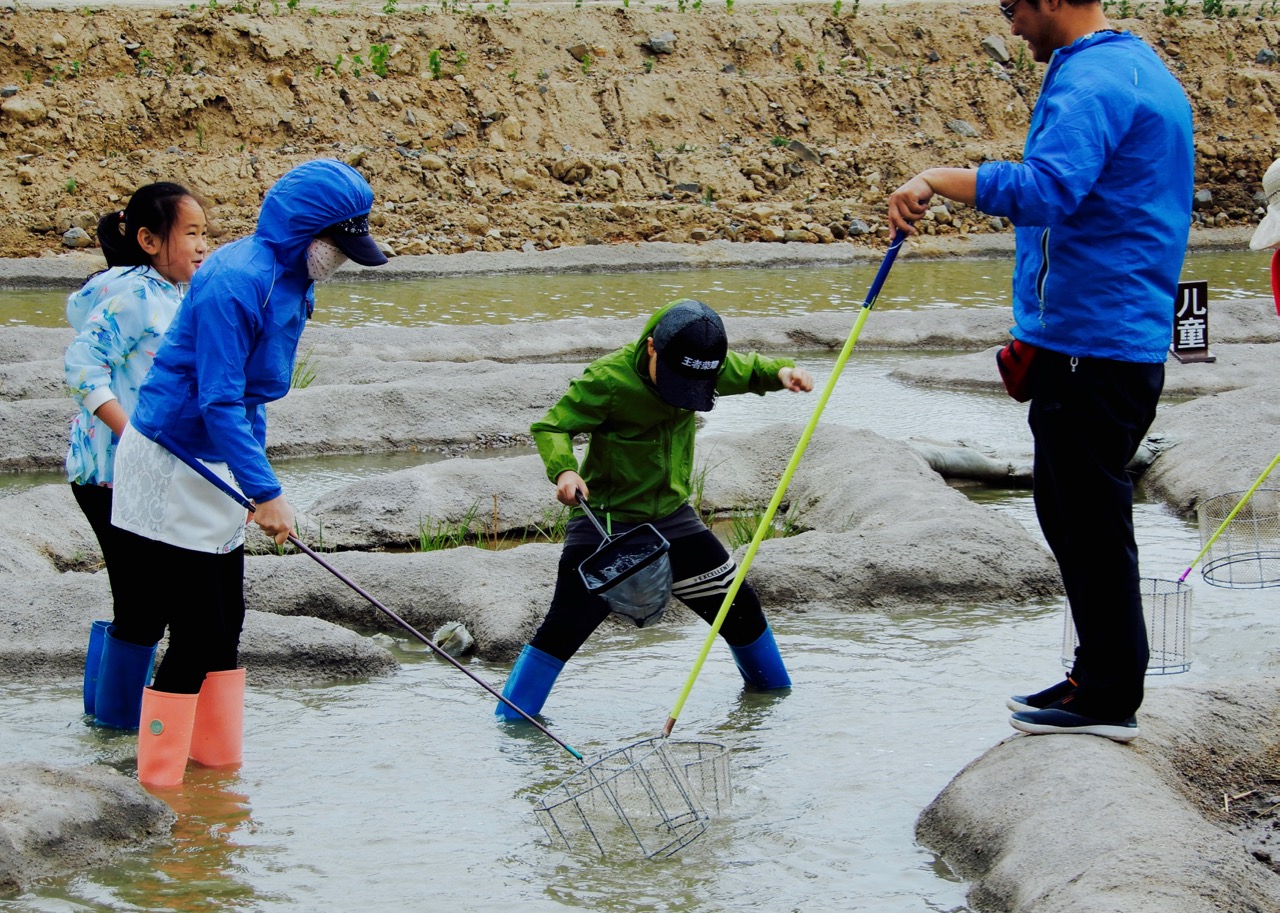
(152, 248)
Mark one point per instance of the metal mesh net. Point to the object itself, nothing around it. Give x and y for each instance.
(1167, 608)
(1246, 555)
(653, 797)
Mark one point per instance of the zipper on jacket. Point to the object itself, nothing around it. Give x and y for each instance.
(1075, 363)
(1042, 278)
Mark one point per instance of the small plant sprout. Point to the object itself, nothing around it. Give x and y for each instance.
(378, 55)
(434, 64)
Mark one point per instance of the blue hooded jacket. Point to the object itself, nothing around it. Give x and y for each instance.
(231, 348)
(1101, 201)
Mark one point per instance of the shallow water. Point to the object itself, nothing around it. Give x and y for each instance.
(402, 793)
(735, 292)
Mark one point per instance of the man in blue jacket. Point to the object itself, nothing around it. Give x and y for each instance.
(1102, 204)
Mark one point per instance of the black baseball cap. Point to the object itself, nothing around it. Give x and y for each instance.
(351, 236)
(691, 344)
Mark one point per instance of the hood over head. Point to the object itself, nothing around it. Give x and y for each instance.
(305, 201)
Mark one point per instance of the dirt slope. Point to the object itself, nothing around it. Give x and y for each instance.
(540, 125)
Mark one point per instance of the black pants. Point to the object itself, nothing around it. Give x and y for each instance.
(95, 502)
(198, 596)
(702, 571)
(1088, 417)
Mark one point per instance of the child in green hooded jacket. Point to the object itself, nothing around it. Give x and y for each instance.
(638, 405)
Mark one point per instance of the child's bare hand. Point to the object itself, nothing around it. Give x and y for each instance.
(797, 380)
(568, 485)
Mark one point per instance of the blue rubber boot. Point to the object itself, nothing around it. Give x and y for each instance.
(124, 671)
(529, 683)
(92, 660)
(761, 664)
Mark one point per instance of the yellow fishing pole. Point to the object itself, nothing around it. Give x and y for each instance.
(767, 520)
(1231, 516)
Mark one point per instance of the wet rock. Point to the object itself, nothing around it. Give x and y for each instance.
(49, 617)
(1266, 56)
(58, 821)
(986, 825)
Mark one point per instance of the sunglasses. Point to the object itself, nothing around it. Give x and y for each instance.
(1007, 11)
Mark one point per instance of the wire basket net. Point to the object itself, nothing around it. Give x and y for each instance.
(653, 797)
(1167, 609)
(1246, 555)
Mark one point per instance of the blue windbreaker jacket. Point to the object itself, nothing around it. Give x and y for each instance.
(231, 348)
(1101, 201)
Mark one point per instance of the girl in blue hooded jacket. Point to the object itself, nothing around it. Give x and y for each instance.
(201, 412)
(152, 247)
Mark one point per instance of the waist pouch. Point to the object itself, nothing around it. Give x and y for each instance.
(1014, 363)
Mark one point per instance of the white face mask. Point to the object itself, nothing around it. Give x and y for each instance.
(323, 260)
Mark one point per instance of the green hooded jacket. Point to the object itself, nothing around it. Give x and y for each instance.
(639, 462)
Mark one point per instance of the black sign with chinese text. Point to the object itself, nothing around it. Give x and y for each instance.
(1191, 323)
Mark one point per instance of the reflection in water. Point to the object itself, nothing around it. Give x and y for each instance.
(197, 872)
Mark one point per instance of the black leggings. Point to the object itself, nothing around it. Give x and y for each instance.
(199, 596)
(95, 502)
(702, 571)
